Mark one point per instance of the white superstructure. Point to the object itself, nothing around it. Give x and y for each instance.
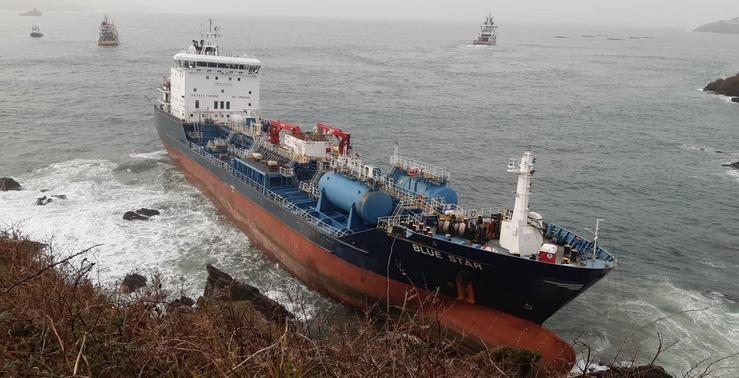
(207, 85)
(488, 32)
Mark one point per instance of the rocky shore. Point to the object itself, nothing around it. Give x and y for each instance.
(56, 321)
(727, 87)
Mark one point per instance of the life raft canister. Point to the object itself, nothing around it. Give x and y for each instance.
(548, 253)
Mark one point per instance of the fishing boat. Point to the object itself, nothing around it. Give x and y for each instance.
(36, 32)
(108, 33)
(362, 234)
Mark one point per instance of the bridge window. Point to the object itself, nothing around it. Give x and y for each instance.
(215, 104)
(250, 104)
(230, 78)
(228, 105)
(241, 67)
(202, 64)
(249, 92)
(194, 89)
(197, 105)
(212, 65)
(207, 77)
(238, 79)
(216, 77)
(221, 104)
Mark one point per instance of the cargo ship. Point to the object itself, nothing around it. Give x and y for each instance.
(108, 33)
(363, 235)
(488, 35)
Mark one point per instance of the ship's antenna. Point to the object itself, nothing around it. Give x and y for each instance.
(595, 236)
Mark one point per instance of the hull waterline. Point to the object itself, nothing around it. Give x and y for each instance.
(320, 269)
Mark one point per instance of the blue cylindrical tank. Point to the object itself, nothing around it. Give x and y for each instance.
(427, 188)
(344, 193)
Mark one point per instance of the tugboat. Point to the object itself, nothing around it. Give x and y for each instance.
(36, 32)
(33, 12)
(363, 236)
(488, 32)
(108, 33)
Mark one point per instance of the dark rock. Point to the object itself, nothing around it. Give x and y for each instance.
(630, 372)
(44, 190)
(222, 286)
(726, 87)
(131, 215)
(60, 196)
(732, 165)
(42, 201)
(147, 212)
(183, 301)
(735, 99)
(133, 282)
(7, 183)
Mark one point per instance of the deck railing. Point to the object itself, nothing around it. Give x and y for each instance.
(276, 198)
(419, 168)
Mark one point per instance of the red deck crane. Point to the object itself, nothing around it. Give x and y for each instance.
(276, 126)
(343, 137)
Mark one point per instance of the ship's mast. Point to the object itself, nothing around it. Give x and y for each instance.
(517, 235)
(209, 42)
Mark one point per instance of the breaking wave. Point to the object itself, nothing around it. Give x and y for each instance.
(178, 243)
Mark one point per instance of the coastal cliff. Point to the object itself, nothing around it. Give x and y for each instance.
(725, 26)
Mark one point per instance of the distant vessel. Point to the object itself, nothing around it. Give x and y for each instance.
(36, 32)
(32, 12)
(488, 32)
(108, 33)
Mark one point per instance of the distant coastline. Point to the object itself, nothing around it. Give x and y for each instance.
(724, 26)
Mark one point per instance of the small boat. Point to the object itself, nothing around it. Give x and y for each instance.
(488, 32)
(33, 12)
(586, 36)
(561, 36)
(36, 32)
(108, 33)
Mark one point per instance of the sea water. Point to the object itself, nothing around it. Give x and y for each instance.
(619, 130)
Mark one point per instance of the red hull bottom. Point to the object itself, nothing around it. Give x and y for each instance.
(351, 285)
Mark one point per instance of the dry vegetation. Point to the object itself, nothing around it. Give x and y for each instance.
(55, 321)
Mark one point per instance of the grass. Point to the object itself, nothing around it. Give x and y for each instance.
(55, 321)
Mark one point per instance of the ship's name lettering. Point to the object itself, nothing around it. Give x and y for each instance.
(451, 258)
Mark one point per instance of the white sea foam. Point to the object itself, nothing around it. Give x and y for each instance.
(706, 326)
(733, 173)
(178, 243)
(718, 96)
(699, 147)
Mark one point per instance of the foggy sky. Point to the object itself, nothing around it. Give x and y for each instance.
(658, 13)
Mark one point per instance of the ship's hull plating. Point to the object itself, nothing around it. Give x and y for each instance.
(370, 267)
